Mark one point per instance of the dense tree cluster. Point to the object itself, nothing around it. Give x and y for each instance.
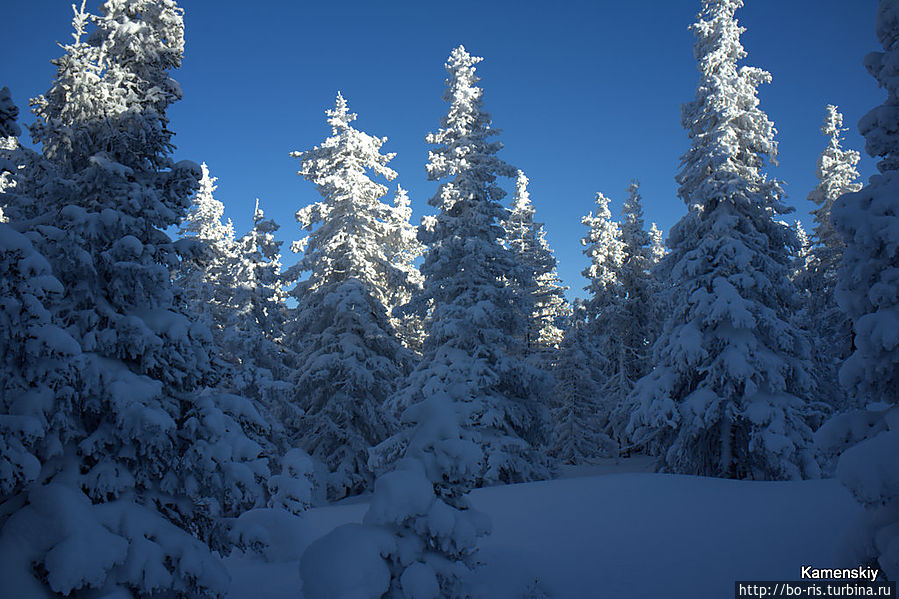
(155, 392)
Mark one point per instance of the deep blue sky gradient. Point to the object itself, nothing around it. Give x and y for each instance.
(587, 93)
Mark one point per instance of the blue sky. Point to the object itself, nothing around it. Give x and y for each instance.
(587, 93)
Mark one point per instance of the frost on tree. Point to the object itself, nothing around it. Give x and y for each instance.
(868, 291)
(544, 295)
(630, 321)
(657, 245)
(349, 358)
(578, 414)
(253, 333)
(476, 325)
(801, 256)
(836, 175)
(468, 410)
(204, 273)
(233, 287)
(136, 463)
(728, 394)
(605, 251)
(404, 249)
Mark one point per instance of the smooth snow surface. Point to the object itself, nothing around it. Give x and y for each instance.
(630, 535)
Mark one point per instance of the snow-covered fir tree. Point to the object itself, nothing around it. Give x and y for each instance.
(728, 394)
(605, 251)
(801, 255)
(836, 175)
(252, 337)
(659, 279)
(205, 272)
(632, 319)
(476, 326)
(868, 291)
(349, 358)
(470, 409)
(131, 459)
(657, 249)
(234, 287)
(404, 248)
(578, 414)
(545, 294)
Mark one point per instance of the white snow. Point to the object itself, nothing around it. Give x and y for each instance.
(628, 535)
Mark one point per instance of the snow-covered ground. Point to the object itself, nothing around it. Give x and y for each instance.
(606, 534)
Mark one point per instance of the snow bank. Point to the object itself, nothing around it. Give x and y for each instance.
(617, 535)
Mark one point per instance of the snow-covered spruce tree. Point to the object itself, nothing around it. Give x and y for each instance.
(255, 321)
(727, 396)
(657, 249)
(234, 289)
(605, 250)
(659, 270)
(578, 414)
(204, 274)
(868, 291)
(476, 325)
(348, 356)
(137, 466)
(633, 323)
(547, 308)
(801, 256)
(469, 407)
(836, 175)
(404, 249)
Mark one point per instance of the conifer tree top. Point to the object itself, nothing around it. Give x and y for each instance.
(730, 135)
(204, 220)
(522, 202)
(463, 137)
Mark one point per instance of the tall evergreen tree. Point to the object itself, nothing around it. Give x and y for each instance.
(257, 317)
(836, 175)
(471, 407)
(545, 295)
(205, 271)
(801, 256)
(348, 356)
(632, 319)
(135, 462)
(476, 324)
(656, 244)
(579, 415)
(234, 287)
(404, 249)
(605, 250)
(727, 396)
(868, 291)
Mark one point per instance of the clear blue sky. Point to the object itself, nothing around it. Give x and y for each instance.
(587, 93)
